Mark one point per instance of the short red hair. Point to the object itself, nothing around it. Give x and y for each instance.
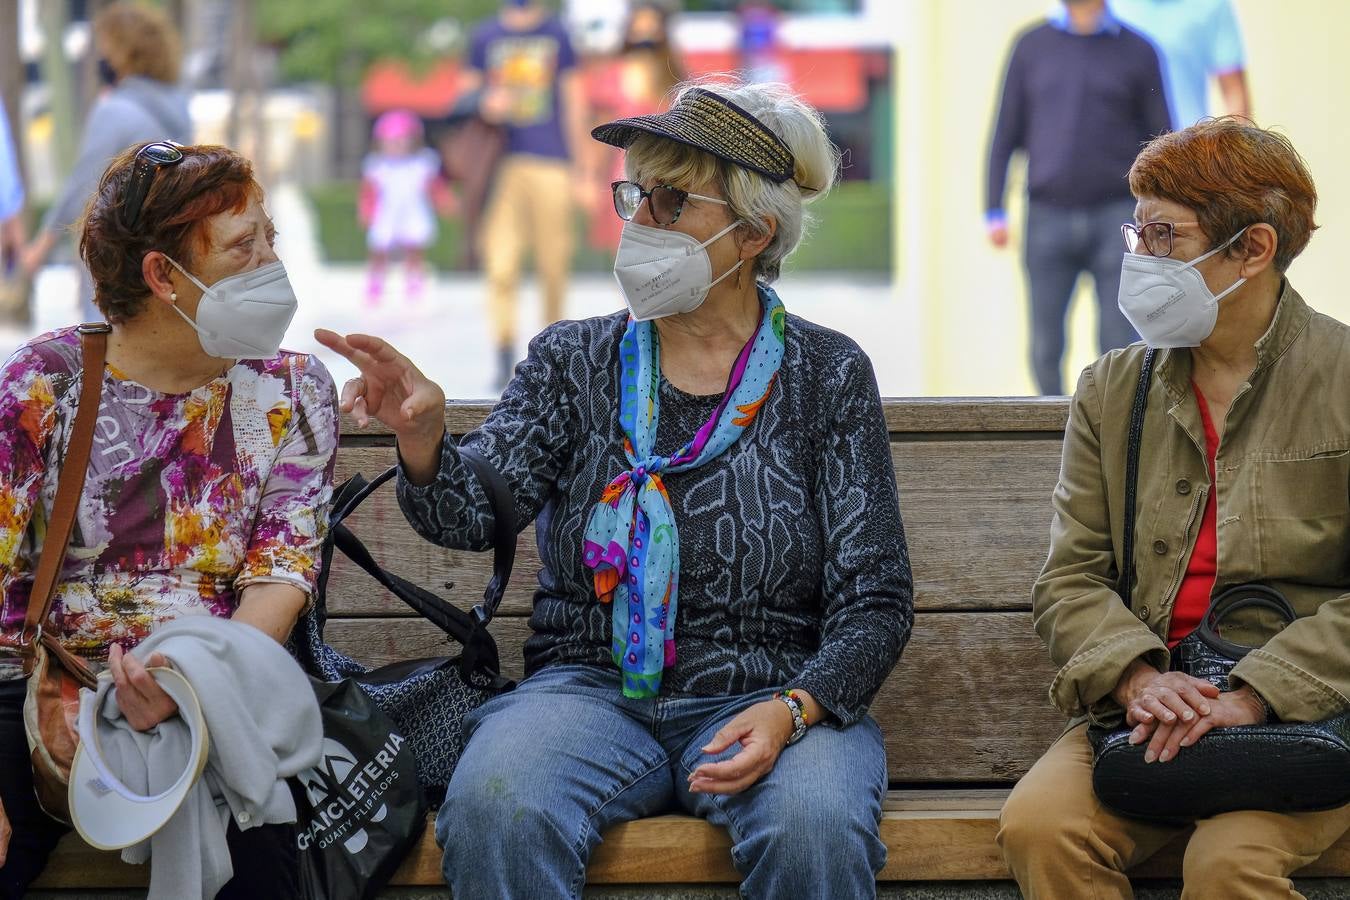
(210, 180)
(1233, 174)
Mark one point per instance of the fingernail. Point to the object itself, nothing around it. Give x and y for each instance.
(1204, 710)
(1170, 717)
(1188, 715)
(1149, 757)
(1166, 755)
(1185, 742)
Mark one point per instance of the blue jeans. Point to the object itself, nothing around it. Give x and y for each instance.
(1061, 243)
(552, 764)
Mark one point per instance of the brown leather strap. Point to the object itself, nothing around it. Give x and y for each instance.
(74, 666)
(70, 484)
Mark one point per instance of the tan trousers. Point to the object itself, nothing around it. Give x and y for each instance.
(531, 207)
(1061, 843)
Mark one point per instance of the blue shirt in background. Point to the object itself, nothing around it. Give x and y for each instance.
(1196, 39)
(529, 64)
(11, 185)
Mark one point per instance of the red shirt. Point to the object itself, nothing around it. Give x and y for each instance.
(1198, 582)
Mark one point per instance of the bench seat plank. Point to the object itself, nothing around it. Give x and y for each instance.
(932, 836)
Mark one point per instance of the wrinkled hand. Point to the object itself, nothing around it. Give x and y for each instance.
(1162, 706)
(390, 388)
(1238, 707)
(143, 702)
(763, 731)
(1150, 697)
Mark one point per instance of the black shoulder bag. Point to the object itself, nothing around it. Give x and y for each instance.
(1276, 766)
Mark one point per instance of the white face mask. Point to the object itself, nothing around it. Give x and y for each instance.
(245, 315)
(665, 273)
(1167, 301)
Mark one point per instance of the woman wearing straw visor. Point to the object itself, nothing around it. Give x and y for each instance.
(725, 582)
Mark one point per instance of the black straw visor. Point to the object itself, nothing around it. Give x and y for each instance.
(712, 123)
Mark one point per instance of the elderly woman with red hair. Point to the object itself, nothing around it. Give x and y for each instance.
(207, 487)
(1243, 473)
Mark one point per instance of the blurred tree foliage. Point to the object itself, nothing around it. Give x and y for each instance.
(337, 40)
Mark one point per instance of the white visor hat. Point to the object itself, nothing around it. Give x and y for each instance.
(105, 812)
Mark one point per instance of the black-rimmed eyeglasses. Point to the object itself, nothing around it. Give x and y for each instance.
(1155, 237)
(664, 201)
(149, 160)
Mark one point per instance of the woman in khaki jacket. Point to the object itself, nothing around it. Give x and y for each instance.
(1244, 476)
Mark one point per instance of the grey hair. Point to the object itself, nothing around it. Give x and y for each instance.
(753, 198)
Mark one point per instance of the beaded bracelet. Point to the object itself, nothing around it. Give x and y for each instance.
(800, 720)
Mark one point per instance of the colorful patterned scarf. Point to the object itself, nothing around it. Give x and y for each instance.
(631, 540)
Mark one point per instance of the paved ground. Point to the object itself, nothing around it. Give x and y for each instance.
(445, 331)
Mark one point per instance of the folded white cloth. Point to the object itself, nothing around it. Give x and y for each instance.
(264, 727)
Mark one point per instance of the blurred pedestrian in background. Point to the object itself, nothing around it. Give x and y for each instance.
(1196, 40)
(1082, 93)
(761, 59)
(13, 286)
(524, 63)
(637, 81)
(140, 53)
(401, 191)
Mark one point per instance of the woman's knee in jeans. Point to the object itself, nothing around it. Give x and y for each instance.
(805, 829)
(499, 806)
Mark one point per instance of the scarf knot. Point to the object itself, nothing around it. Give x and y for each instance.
(631, 542)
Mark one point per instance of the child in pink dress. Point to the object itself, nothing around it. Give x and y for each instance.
(401, 189)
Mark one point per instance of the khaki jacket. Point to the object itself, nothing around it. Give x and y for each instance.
(1283, 473)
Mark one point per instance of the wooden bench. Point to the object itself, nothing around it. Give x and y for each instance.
(965, 712)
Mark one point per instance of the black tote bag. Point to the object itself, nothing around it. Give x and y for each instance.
(426, 699)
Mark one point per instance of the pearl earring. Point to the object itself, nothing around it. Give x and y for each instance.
(173, 296)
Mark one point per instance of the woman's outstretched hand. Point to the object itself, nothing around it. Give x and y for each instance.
(394, 391)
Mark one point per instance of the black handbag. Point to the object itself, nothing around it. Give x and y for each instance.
(360, 810)
(1275, 766)
(427, 699)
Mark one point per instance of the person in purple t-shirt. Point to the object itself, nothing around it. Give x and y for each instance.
(524, 63)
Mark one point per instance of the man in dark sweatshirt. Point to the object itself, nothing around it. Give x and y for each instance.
(1081, 95)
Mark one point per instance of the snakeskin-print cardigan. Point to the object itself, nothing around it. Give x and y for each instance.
(793, 565)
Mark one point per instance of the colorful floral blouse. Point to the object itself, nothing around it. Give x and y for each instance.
(188, 498)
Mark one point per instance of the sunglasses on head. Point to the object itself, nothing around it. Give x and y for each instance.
(149, 160)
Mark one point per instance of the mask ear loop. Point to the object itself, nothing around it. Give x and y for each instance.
(1199, 259)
